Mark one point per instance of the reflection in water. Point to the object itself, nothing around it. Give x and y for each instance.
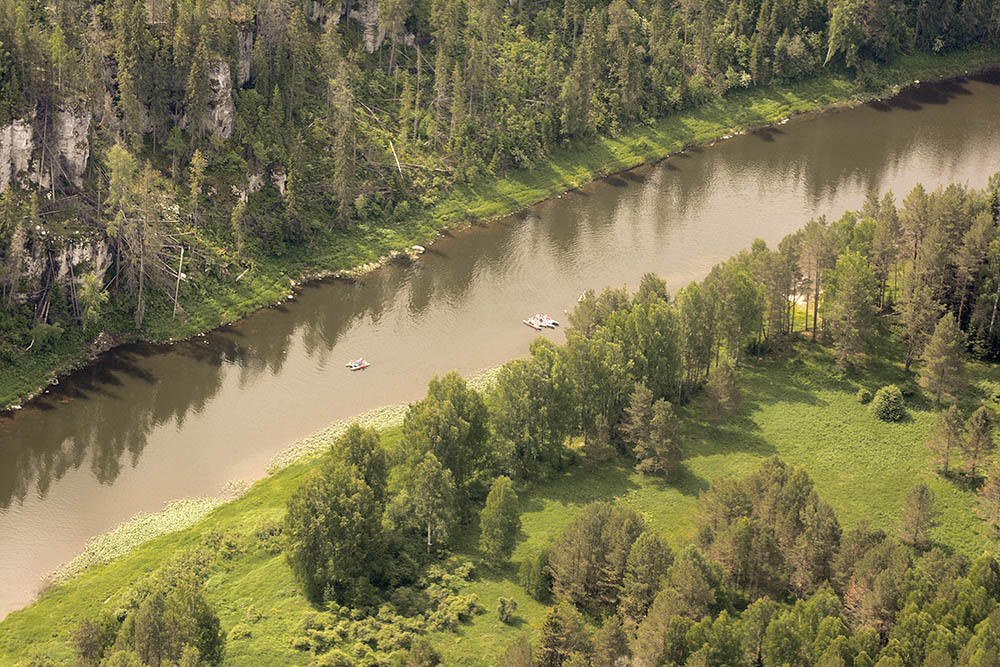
(150, 423)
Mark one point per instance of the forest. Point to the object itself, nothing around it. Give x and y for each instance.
(768, 576)
(198, 140)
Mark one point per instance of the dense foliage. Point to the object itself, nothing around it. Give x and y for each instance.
(774, 582)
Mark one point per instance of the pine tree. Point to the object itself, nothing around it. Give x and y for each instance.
(563, 634)
(852, 311)
(610, 644)
(943, 374)
(919, 517)
(722, 390)
(499, 522)
(635, 428)
(946, 437)
(197, 91)
(343, 144)
(660, 453)
(919, 316)
(978, 446)
(648, 562)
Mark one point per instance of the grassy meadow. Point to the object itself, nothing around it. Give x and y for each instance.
(794, 406)
(212, 303)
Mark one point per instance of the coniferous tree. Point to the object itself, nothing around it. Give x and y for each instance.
(723, 390)
(660, 453)
(636, 427)
(943, 374)
(610, 644)
(563, 636)
(852, 311)
(946, 438)
(919, 315)
(918, 517)
(649, 560)
(979, 445)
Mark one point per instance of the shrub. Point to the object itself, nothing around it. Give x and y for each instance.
(864, 396)
(506, 609)
(240, 631)
(887, 404)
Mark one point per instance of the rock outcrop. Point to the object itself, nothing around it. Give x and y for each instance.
(72, 142)
(365, 12)
(16, 146)
(69, 143)
(221, 110)
(74, 258)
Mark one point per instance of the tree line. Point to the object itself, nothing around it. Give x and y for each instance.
(771, 579)
(333, 127)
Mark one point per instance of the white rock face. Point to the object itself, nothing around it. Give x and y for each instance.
(321, 13)
(72, 143)
(16, 146)
(95, 253)
(222, 111)
(365, 12)
(280, 180)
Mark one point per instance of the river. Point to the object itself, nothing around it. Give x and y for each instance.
(146, 424)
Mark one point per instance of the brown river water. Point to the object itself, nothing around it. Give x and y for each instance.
(146, 424)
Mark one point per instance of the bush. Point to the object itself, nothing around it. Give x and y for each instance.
(506, 609)
(887, 404)
(864, 396)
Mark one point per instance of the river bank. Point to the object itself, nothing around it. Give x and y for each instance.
(351, 254)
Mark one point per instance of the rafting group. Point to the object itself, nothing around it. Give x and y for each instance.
(358, 364)
(537, 322)
(540, 321)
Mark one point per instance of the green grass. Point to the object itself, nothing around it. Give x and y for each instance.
(794, 407)
(270, 280)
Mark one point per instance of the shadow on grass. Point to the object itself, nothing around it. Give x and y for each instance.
(581, 485)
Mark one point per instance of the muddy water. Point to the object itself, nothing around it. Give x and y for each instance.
(147, 424)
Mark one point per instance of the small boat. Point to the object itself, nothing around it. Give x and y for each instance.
(358, 364)
(546, 321)
(533, 323)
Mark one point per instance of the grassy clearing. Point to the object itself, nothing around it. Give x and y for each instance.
(270, 280)
(794, 407)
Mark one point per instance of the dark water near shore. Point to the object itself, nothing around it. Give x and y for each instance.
(146, 424)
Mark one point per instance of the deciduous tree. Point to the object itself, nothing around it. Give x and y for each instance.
(499, 522)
